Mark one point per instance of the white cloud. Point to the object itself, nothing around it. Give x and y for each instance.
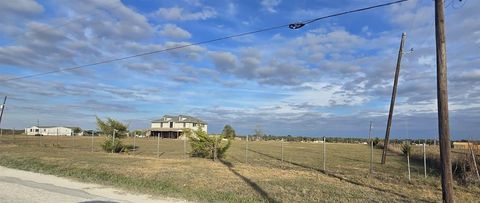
(177, 13)
(325, 94)
(108, 20)
(20, 8)
(270, 5)
(187, 52)
(13, 15)
(173, 31)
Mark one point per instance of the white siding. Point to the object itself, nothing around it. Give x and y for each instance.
(179, 125)
(49, 131)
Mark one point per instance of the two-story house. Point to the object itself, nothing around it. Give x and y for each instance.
(172, 126)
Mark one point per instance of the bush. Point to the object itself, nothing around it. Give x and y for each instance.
(376, 141)
(204, 146)
(109, 125)
(228, 132)
(108, 146)
(406, 148)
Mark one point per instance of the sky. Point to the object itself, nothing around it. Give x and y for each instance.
(329, 78)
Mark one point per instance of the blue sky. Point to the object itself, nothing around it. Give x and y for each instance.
(329, 78)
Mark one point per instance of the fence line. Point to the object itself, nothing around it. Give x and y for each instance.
(291, 154)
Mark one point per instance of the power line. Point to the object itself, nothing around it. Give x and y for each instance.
(84, 17)
(301, 24)
(203, 42)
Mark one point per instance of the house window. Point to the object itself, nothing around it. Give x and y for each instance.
(171, 124)
(194, 124)
(36, 130)
(31, 130)
(161, 125)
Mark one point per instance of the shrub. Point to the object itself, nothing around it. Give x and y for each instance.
(109, 125)
(228, 132)
(406, 148)
(376, 141)
(108, 146)
(204, 146)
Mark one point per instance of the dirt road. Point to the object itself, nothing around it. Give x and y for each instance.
(24, 186)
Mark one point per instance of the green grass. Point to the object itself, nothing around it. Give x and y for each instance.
(299, 178)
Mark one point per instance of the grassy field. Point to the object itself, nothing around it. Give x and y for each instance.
(265, 178)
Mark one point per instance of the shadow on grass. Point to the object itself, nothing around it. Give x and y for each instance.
(252, 184)
(326, 172)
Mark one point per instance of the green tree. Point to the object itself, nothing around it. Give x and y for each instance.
(406, 148)
(107, 127)
(204, 145)
(228, 132)
(77, 130)
(138, 132)
(376, 141)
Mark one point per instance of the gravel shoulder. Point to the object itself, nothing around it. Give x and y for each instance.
(24, 186)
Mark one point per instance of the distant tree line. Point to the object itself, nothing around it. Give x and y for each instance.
(291, 138)
(376, 140)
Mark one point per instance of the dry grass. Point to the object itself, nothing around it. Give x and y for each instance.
(462, 162)
(265, 178)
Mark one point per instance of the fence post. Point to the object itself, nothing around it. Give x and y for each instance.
(41, 139)
(324, 153)
(215, 149)
(73, 146)
(93, 134)
(282, 154)
(113, 141)
(134, 143)
(158, 146)
(184, 146)
(246, 150)
(408, 163)
(13, 135)
(371, 147)
(474, 159)
(57, 139)
(424, 160)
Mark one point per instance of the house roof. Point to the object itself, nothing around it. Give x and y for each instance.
(179, 119)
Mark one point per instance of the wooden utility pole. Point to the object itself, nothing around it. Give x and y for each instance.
(442, 102)
(392, 101)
